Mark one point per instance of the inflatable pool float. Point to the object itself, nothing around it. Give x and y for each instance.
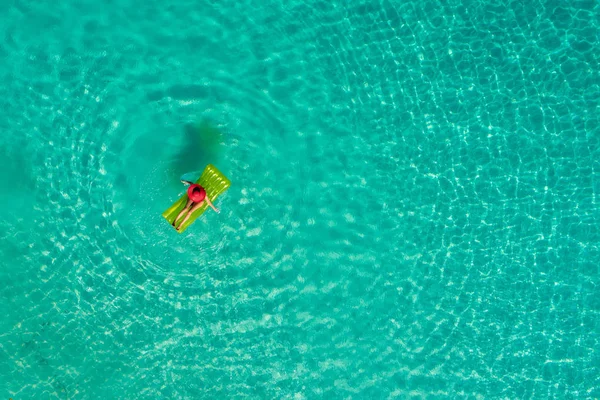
(215, 184)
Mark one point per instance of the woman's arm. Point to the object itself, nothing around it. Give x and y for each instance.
(211, 205)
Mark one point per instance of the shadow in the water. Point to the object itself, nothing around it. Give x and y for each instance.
(202, 145)
(16, 180)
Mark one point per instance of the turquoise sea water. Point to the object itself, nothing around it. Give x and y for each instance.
(413, 214)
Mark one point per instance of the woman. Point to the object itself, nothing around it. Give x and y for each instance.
(196, 196)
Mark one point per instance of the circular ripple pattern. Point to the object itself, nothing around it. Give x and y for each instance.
(413, 211)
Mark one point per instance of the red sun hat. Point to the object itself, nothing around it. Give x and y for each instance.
(196, 193)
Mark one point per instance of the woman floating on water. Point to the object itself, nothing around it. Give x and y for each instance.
(196, 197)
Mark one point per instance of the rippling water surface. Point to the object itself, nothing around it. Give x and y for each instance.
(413, 210)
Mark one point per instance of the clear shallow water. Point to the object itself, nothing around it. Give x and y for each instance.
(413, 210)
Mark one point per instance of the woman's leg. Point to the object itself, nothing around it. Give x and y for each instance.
(184, 209)
(194, 208)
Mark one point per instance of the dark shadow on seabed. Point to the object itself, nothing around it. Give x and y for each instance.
(202, 145)
(17, 183)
